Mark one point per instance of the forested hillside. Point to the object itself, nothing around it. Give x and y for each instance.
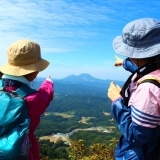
(80, 110)
(97, 108)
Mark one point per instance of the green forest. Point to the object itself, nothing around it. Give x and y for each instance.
(65, 115)
(77, 150)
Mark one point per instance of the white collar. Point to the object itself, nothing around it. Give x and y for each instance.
(17, 78)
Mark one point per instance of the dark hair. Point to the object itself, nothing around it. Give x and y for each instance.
(156, 60)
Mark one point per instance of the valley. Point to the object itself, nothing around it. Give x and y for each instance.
(80, 114)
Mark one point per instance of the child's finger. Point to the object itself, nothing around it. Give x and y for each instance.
(118, 87)
(116, 57)
(112, 84)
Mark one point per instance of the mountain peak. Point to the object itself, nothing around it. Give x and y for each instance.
(86, 76)
(82, 77)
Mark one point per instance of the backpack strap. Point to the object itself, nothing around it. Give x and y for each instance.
(0, 83)
(153, 81)
(24, 90)
(138, 74)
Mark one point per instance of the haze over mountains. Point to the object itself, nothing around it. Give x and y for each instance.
(83, 84)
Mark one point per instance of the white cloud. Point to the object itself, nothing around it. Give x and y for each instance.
(67, 26)
(49, 15)
(57, 25)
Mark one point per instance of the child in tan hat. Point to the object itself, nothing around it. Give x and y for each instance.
(24, 64)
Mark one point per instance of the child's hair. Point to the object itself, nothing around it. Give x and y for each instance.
(24, 57)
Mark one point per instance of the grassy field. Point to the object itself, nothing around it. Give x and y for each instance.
(106, 113)
(55, 138)
(64, 115)
(85, 119)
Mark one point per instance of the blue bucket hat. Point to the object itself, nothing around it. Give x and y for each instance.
(140, 39)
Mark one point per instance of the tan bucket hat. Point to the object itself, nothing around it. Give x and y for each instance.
(24, 57)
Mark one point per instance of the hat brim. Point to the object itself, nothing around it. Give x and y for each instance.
(140, 52)
(23, 70)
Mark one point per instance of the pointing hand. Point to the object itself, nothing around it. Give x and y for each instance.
(49, 76)
(118, 62)
(49, 79)
(113, 91)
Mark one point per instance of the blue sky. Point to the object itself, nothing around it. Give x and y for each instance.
(74, 35)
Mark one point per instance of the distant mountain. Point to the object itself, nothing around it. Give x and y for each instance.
(83, 84)
(84, 77)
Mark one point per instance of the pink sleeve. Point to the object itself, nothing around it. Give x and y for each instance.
(39, 101)
(145, 105)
